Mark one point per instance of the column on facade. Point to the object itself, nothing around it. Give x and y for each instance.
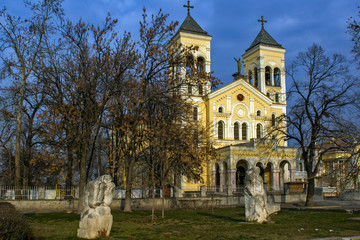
(232, 179)
(272, 83)
(222, 180)
(292, 175)
(276, 179)
(229, 135)
(282, 81)
(262, 79)
(213, 179)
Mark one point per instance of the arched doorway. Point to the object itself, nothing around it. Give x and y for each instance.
(268, 176)
(262, 171)
(285, 173)
(241, 168)
(217, 177)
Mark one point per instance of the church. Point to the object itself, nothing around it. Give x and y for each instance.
(239, 114)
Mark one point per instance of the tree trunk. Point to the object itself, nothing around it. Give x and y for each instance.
(127, 206)
(310, 192)
(82, 183)
(18, 132)
(163, 202)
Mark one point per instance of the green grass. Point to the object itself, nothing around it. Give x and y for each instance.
(204, 224)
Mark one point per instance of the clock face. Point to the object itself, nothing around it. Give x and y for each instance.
(240, 97)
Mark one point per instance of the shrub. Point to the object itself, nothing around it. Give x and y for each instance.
(13, 224)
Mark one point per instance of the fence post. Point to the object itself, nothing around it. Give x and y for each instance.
(41, 193)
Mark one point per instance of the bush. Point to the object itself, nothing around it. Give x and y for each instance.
(13, 224)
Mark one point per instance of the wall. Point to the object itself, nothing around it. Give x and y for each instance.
(36, 206)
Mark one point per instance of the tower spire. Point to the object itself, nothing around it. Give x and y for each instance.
(188, 7)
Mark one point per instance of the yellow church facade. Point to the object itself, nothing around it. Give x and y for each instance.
(239, 114)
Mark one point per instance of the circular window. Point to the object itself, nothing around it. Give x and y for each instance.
(240, 97)
(241, 112)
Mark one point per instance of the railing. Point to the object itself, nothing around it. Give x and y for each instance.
(37, 192)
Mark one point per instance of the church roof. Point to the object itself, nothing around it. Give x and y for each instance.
(191, 26)
(264, 38)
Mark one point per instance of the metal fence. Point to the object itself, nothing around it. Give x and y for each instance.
(37, 193)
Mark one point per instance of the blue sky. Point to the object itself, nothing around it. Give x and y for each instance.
(232, 23)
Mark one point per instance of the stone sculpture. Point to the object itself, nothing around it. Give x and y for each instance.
(96, 219)
(257, 207)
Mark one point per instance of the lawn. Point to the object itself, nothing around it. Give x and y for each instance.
(205, 224)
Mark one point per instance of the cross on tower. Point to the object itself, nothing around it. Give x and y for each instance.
(188, 7)
(262, 21)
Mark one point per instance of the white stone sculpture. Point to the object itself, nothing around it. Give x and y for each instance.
(257, 207)
(96, 219)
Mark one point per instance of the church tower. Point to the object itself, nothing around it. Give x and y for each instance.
(191, 35)
(264, 63)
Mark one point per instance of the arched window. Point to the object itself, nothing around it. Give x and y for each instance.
(195, 114)
(189, 64)
(200, 64)
(268, 76)
(276, 97)
(256, 79)
(244, 131)
(221, 130)
(268, 94)
(221, 109)
(273, 120)
(258, 131)
(277, 77)
(201, 91)
(236, 131)
(250, 77)
(258, 113)
(189, 88)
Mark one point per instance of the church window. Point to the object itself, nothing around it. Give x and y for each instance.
(258, 113)
(221, 130)
(301, 168)
(201, 91)
(244, 131)
(277, 97)
(221, 109)
(236, 131)
(268, 94)
(277, 77)
(250, 77)
(258, 131)
(195, 114)
(200, 65)
(273, 120)
(189, 88)
(189, 65)
(256, 79)
(268, 76)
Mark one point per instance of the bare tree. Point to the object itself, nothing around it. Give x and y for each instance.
(21, 44)
(319, 97)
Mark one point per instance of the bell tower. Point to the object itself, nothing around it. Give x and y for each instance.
(191, 35)
(264, 63)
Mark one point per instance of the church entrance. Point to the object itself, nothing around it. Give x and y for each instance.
(284, 173)
(217, 177)
(268, 176)
(241, 168)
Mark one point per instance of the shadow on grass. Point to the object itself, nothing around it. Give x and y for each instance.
(224, 218)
